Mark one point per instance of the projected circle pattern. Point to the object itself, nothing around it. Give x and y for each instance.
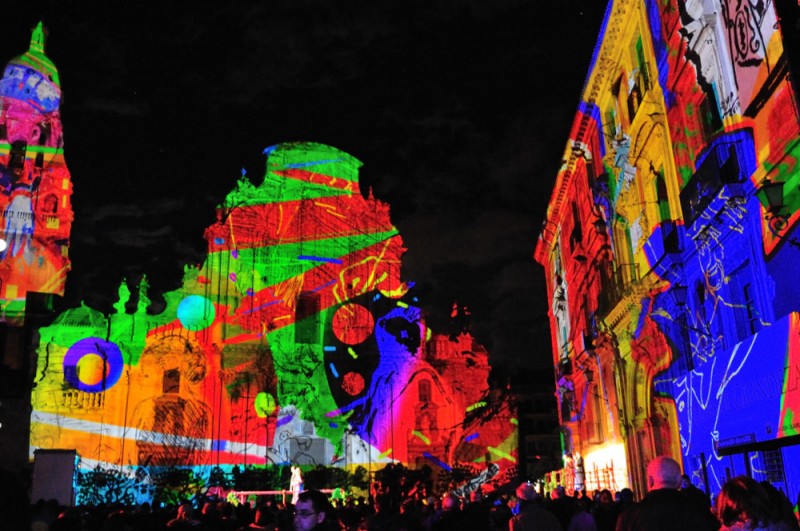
(264, 405)
(353, 324)
(93, 365)
(91, 369)
(353, 383)
(196, 312)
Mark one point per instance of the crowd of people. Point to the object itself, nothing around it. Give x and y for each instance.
(671, 503)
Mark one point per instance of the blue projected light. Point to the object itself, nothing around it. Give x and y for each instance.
(319, 259)
(195, 310)
(93, 365)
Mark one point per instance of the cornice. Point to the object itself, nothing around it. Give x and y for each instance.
(597, 80)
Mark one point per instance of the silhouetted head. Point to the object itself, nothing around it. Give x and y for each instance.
(663, 473)
(743, 500)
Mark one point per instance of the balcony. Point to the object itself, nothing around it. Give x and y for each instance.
(74, 399)
(615, 286)
(641, 84)
(724, 167)
(664, 247)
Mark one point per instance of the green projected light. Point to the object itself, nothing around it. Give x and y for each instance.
(296, 342)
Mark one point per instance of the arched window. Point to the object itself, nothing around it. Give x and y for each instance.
(662, 196)
(50, 204)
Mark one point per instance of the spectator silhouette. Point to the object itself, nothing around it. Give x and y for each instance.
(745, 504)
(665, 507)
(263, 520)
(184, 519)
(451, 518)
(781, 501)
(562, 506)
(606, 512)
(532, 516)
(380, 520)
(313, 512)
(690, 490)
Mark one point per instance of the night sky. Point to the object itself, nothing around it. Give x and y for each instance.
(459, 111)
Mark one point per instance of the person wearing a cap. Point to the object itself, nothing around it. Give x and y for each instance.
(532, 516)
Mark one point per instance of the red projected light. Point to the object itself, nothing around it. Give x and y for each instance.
(352, 324)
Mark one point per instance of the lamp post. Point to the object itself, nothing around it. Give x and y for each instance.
(265, 407)
(679, 293)
(770, 194)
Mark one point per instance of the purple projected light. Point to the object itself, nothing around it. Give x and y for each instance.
(93, 365)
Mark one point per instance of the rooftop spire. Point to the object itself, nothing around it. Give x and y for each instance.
(37, 38)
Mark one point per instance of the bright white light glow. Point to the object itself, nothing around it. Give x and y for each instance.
(606, 468)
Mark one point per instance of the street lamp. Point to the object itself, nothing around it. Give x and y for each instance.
(770, 194)
(679, 293)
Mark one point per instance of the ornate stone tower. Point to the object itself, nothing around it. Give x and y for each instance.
(35, 185)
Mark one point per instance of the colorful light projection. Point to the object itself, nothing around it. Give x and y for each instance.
(739, 397)
(35, 184)
(734, 375)
(295, 342)
(688, 111)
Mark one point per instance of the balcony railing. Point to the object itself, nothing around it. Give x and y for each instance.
(615, 285)
(75, 399)
(719, 167)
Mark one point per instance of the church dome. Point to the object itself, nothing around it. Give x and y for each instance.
(33, 77)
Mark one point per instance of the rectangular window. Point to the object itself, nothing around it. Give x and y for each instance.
(424, 391)
(773, 464)
(662, 196)
(610, 127)
(740, 296)
(592, 417)
(749, 307)
(576, 236)
(16, 156)
(643, 74)
(306, 324)
(171, 381)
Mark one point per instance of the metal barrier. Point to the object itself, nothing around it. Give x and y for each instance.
(242, 495)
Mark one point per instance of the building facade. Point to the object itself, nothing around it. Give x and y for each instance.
(295, 342)
(668, 248)
(36, 210)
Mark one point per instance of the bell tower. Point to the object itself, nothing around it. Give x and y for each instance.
(35, 186)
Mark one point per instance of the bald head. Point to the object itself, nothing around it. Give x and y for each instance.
(450, 502)
(663, 473)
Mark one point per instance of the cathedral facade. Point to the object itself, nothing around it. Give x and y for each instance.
(294, 342)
